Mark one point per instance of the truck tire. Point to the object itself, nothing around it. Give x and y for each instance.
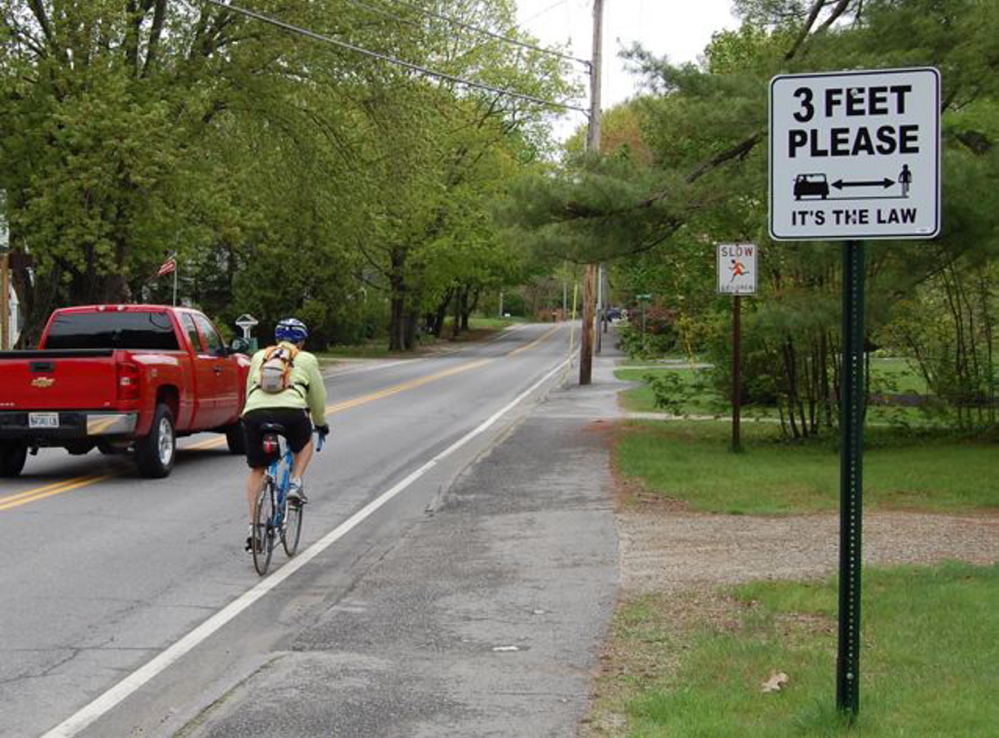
(235, 437)
(155, 452)
(12, 457)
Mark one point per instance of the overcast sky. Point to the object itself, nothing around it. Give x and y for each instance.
(679, 29)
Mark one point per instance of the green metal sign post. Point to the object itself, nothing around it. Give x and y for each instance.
(810, 115)
(851, 479)
(643, 299)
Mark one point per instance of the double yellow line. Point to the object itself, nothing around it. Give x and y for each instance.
(58, 488)
(23, 498)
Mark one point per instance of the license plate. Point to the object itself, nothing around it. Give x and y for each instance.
(43, 420)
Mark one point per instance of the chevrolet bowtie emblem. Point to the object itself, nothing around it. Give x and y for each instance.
(42, 382)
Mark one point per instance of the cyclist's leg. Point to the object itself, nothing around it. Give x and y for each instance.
(256, 459)
(254, 483)
(302, 459)
(298, 433)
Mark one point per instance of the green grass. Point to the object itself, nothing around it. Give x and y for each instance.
(929, 660)
(703, 400)
(374, 350)
(672, 357)
(494, 323)
(690, 461)
(897, 376)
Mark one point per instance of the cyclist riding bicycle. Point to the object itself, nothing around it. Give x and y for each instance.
(283, 386)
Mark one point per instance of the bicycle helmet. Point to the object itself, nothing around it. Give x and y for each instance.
(291, 330)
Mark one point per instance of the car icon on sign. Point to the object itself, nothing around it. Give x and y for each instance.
(811, 185)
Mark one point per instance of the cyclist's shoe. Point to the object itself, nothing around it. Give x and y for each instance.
(296, 493)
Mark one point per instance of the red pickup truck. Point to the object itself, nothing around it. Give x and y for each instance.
(121, 378)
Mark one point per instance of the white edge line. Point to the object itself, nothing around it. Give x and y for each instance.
(137, 679)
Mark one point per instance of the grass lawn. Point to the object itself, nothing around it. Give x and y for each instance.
(692, 664)
(897, 375)
(690, 461)
(929, 664)
(703, 400)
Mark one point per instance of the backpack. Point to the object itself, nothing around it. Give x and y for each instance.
(275, 372)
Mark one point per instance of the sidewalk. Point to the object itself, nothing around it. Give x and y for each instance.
(487, 617)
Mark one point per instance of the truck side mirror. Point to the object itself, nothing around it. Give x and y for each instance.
(239, 346)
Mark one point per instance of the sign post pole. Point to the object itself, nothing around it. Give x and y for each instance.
(851, 479)
(854, 155)
(737, 277)
(642, 299)
(736, 372)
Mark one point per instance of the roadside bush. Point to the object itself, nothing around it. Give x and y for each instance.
(659, 337)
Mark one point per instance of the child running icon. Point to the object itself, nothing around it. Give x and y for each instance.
(738, 269)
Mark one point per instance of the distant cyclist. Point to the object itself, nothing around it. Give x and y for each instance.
(284, 386)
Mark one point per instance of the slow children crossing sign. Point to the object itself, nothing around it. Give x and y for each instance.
(855, 155)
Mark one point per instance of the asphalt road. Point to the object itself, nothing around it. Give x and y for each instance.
(130, 608)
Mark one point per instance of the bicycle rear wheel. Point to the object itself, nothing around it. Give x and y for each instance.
(263, 528)
(292, 527)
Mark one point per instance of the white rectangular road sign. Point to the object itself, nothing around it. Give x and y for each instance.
(855, 155)
(737, 268)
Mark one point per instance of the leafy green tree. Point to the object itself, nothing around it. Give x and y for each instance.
(106, 106)
(706, 128)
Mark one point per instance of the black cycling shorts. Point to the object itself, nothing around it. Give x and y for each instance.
(297, 430)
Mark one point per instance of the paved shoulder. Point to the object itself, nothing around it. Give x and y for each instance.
(485, 619)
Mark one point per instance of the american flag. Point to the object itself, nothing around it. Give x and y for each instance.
(167, 267)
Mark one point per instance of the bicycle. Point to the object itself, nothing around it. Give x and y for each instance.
(273, 515)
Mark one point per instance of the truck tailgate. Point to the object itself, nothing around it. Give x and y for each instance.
(58, 380)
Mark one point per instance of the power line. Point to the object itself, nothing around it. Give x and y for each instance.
(550, 7)
(392, 60)
(483, 31)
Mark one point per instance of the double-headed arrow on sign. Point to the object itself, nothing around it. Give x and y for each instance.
(886, 183)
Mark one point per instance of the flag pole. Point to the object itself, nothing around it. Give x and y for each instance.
(175, 267)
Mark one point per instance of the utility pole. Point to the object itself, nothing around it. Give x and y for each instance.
(592, 144)
(601, 308)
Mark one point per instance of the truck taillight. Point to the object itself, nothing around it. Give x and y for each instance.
(128, 382)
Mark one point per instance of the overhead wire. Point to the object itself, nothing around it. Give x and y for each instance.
(393, 60)
(485, 32)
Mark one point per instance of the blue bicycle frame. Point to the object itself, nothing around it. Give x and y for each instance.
(275, 527)
(282, 466)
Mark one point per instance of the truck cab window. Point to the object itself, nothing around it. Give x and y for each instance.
(192, 332)
(112, 329)
(215, 345)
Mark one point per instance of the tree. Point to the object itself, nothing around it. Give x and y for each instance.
(705, 128)
(105, 106)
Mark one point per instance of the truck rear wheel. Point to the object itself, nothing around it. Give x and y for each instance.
(155, 452)
(12, 457)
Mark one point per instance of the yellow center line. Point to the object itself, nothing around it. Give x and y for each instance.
(58, 488)
(543, 337)
(207, 443)
(6, 503)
